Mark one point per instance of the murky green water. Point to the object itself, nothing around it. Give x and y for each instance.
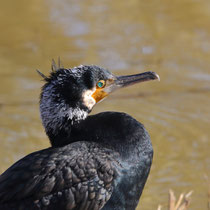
(169, 37)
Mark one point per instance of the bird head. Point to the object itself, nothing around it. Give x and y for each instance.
(74, 92)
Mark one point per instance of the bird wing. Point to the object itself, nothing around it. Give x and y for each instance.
(80, 175)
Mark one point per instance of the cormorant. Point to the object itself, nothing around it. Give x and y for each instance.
(100, 161)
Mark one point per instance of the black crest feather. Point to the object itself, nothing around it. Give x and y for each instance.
(55, 67)
(41, 74)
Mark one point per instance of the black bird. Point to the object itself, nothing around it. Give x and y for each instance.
(96, 162)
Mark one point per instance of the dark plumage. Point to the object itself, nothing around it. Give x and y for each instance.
(96, 162)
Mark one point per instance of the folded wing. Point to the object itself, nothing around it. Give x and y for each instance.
(77, 176)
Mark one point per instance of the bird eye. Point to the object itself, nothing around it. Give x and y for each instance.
(101, 83)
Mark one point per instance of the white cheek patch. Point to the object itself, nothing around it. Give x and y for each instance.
(88, 100)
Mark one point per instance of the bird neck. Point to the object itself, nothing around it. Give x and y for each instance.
(114, 130)
(59, 118)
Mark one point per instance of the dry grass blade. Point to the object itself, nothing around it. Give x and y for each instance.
(186, 201)
(172, 200)
(181, 204)
(208, 194)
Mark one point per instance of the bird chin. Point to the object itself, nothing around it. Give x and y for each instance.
(88, 100)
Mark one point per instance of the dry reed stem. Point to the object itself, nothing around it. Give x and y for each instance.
(181, 204)
(208, 194)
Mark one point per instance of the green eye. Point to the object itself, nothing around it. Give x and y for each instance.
(101, 84)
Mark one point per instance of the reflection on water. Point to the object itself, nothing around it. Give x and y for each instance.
(169, 37)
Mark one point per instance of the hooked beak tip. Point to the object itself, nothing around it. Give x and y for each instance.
(157, 77)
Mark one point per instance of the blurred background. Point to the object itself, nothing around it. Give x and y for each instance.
(171, 38)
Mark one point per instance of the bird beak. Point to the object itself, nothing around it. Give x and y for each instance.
(123, 81)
